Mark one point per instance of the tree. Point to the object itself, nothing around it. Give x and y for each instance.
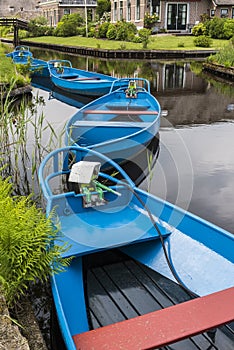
(102, 7)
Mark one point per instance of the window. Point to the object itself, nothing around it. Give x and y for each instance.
(129, 11)
(223, 13)
(67, 11)
(212, 13)
(115, 12)
(233, 12)
(138, 10)
(121, 10)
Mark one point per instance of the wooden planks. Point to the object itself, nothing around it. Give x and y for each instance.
(124, 112)
(162, 327)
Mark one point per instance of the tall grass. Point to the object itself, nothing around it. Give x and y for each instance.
(22, 143)
(225, 56)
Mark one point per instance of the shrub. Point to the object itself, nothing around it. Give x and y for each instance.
(125, 31)
(69, 24)
(38, 27)
(228, 28)
(103, 29)
(180, 44)
(199, 29)
(220, 28)
(150, 20)
(203, 41)
(144, 35)
(112, 32)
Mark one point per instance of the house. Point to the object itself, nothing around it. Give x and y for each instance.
(20, 8)
(223, 8)
(54, 10)
(174, 15)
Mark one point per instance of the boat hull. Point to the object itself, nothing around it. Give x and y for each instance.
(78, 81)
(163, 238)
(115, 125)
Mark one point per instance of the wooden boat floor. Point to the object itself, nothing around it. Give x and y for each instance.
(119, 288)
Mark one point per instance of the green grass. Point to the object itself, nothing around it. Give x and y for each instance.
(8, 71)
(158, 42)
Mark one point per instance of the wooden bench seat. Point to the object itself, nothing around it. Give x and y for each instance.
(121, 111)
(162, 327)
(110, 124)
(76, 78)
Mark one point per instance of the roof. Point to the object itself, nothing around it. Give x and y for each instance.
(224, 2)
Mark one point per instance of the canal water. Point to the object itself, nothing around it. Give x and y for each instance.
(195, 165)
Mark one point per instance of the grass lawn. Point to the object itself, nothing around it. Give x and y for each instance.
(158, 42)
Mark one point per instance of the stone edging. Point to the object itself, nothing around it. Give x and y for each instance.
(118, 54)
(219, 70)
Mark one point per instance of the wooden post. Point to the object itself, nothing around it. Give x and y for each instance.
(16, 36)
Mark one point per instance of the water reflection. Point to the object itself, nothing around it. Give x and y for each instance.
(189, 96)
(194, 169)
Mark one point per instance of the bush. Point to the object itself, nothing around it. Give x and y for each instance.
(125, 31)
(69, 24)
(199, 29)
(220, 28)
(144, 35)
(228, 28)
(38, 27)
(102, 30)
(203, 41)
(150, 20)
(112, 32)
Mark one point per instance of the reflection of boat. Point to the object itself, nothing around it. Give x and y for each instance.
(106, 223)
(115, 124)
(23, 55)
(78, 81)
(74, 100)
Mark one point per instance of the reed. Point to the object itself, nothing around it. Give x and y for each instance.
(22, 137)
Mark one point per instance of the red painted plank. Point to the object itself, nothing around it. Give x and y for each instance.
(162, 327)
(112, 111)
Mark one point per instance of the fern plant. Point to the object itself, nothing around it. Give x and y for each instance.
(27, 252)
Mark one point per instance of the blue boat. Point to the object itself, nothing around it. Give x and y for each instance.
(78, 81)
(117, 125)
(21, 52)
(102, 214)
(23, 55)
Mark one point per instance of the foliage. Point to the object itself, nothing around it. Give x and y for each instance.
(203, 41)
(164, 42)
(69, 24)
(102, 7)
(199, 29)
(112, 32)
(181, 44)
(150, 20)
(4, 31)
(225, 56)
(9, 74)
(38, 27)
(27, 252)
(220, 28)
(102, 30)
(144, 35)
(125, 31)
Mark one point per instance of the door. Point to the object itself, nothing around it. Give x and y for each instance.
(176, 16)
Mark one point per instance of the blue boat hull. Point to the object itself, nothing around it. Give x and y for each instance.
(78, 81)
(115, 125)
(36, 66)
(140, 225)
